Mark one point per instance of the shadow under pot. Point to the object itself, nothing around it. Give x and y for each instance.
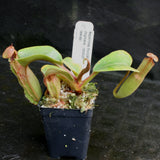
(67, 132)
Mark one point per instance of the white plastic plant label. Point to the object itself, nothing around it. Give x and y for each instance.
(83, 43)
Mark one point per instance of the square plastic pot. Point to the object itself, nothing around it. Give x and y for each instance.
(67, 132)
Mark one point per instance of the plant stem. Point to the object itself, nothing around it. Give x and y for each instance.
(88, 79)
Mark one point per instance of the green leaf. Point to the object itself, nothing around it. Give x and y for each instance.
(46, 53)
(119, 60)
(50, 69)
(74, 67)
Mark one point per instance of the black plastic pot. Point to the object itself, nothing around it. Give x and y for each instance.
(67, 132)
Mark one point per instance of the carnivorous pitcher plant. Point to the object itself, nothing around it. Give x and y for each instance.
(65, 87)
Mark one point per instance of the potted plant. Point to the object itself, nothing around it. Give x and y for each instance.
(67, 103)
